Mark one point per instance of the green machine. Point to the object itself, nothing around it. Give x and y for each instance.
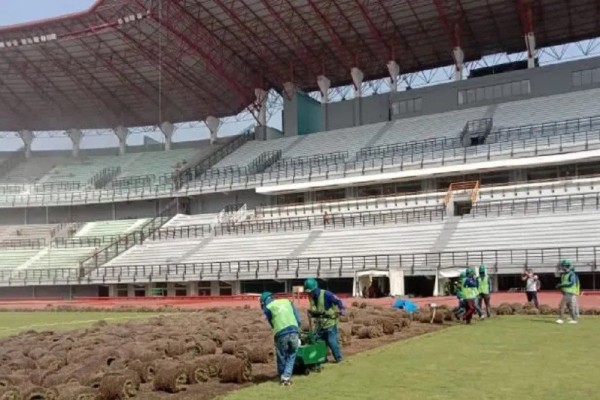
(312, 352)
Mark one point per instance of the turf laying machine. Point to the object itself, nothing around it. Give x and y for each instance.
(312, 352)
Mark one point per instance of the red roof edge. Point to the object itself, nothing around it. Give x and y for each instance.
(38, 23)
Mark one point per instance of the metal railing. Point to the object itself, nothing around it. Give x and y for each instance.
(236, 179)
(498, 261)
(331, 221)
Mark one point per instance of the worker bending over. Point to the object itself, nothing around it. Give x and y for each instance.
(470, 292)
(285, 321)
(460, 310)
(569, 286)
(484, 290)
(323, 302)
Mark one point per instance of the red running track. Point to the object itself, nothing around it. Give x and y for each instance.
(588, 300)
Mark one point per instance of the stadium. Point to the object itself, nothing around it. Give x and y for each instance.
(416, 138)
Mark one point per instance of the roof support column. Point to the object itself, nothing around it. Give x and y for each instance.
(357, 80)
(27, 137)
(75, 135)
(459, 60)
(394, 71)
(167, 129)
(122, 134)
(261, 102)
(526, 16)
(213, 124)
(324, 85)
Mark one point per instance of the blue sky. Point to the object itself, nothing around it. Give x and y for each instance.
(20, 11)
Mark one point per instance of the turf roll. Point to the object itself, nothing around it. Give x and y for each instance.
(229, 347)
(10, 393)
(170, 376)
(355, 328)
(345, 336)
(207, 347)
(144, 369)
(388, 327)
(196, 371)
(76, 392)
(260, 354)
(370, 332)
(29, 391)
(235, 370)
(117, 386)
(174, 348)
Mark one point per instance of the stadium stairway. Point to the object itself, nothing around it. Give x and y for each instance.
(450, 226)
(314, 235)
(379, 134)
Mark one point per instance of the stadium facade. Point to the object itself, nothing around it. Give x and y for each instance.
(500, 168)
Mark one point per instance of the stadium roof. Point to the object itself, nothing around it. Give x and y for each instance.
(100, 68)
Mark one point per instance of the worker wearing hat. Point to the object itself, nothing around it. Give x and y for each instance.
(459, 311)
(569, 286)
(325, 303)
(484, 290)
(470, 292)
(285, 321)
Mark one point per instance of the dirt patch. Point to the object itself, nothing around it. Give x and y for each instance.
(198, 355)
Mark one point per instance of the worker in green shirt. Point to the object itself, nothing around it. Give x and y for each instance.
(570, 288)
(484, 284)
(285, 321)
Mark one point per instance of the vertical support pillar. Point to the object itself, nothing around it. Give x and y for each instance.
(192, 288)
(171, 289)
(459, 66)
(75, 135)
(236, 288)
(261, 101)
(261, 106)
(213, 124)
(112, 290)
(290, 109)
(27, 137)
(324, 85)
(357, 80)
(394, 71)
(130, 290)
(122, 134)
(214, 288)
(167, 129)
(531, 49)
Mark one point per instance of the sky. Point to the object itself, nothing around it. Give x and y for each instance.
(20, 11)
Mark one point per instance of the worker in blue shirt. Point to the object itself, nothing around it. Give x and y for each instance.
(470, 293)
(285, 322)
(327, 305)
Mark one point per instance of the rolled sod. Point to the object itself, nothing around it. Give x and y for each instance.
(117, 386)
(235, 370)
(10, 393)
(170, 376)
(76, 392)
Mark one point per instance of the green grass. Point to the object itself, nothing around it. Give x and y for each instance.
(11, 323)
(503, 358)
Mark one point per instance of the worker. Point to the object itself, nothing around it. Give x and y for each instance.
(569, 286)
(484, 289)
(323, 302)
(284, 319)
(459, 311)
(470, 292)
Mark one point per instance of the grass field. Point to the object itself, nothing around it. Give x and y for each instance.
(12, 323)
(502, 358)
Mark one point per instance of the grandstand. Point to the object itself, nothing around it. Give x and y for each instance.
(499, 169)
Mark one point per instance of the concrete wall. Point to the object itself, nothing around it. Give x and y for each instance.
(339, 115)
(544, 81)
(137, 209)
